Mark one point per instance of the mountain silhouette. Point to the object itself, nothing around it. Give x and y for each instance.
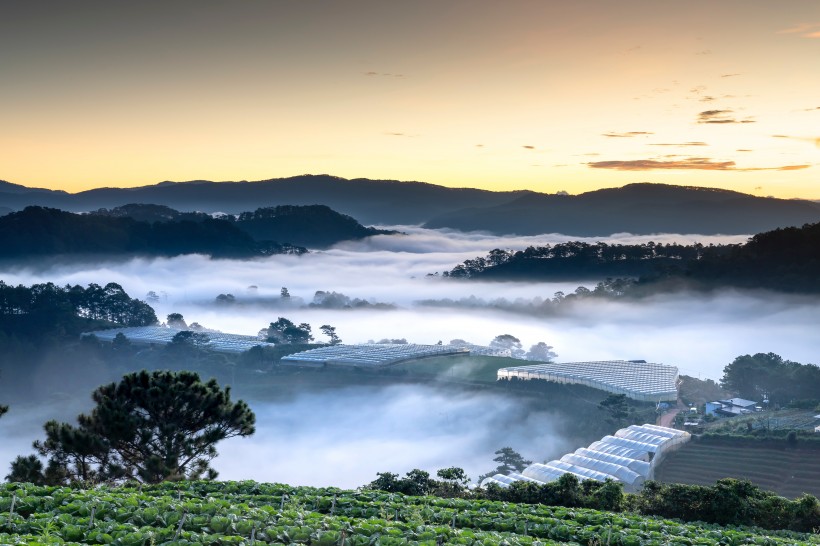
(640, 208)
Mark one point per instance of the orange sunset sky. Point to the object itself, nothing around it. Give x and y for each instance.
(509, 94)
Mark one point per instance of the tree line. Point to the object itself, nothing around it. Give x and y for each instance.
(785, 259)
(768, 375)
(575, 258)
(28, 310)
(728, 502)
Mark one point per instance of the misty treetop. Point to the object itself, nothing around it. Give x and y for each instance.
(151, 427)
(785, 259)
(576, 259)
(31, 310)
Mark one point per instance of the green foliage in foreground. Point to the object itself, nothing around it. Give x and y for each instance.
(247, 513)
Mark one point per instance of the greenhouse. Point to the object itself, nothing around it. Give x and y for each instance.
(163, 335)
(544, 473)
(642, 468)
(631, 480)
(638, 380)
(615, 457)
(621, 451)
(371, 355)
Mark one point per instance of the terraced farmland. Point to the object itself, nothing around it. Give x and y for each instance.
(787, 472)
(249, 513)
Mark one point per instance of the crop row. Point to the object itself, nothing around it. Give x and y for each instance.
(216, 513)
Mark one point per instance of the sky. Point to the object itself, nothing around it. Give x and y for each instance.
(521, 94)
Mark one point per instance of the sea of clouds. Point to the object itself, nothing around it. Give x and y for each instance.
(344, 437)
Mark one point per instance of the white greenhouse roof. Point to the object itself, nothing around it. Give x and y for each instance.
(370, 355)
(644, 381)
(613, 457)
(162, 335)
(622, 451)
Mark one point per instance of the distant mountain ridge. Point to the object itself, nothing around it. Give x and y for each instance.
(314, 226)
(640, 208)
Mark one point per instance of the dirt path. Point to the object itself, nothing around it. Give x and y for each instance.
(667, 418)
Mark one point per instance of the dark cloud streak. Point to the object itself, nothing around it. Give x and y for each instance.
(691, 163)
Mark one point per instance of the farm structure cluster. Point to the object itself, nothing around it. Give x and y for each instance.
(163, 335)
(637, 379)
(630, 456)
(370, 355)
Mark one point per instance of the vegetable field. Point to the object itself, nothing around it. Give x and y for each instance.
(249, 513)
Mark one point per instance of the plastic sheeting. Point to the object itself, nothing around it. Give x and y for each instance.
(618, 457)
(640, 467)
(370, 355)
(644, 381)
(162, 335)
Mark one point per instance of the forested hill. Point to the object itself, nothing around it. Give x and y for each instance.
(314, 226)
(38, 231)
(310, 225)
(636, 208)
(785, 259)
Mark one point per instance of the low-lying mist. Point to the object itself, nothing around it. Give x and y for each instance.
(344, 436)
(698, 333)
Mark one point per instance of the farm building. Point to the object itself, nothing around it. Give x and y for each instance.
(730, 407)
(630, 456)
(639, 380)
(162, 335)
(370, 355)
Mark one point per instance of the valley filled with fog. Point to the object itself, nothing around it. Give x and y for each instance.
(344, 436)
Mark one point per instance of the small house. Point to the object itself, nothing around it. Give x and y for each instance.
(731, 407)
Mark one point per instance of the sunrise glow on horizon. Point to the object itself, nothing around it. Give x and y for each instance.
(522, 94)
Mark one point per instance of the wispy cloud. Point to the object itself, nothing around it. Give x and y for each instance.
(721, 117)
(383, 74)
(630, 134)
(528, 147)
(730, 75)
(805, 30)
(680, 144)
(813, 140)
(690, 163)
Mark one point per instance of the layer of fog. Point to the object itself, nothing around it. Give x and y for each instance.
(343, 437)
(700, 334)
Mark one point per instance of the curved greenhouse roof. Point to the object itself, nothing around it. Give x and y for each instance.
(631, 452)
(162, 335)
(644, 381)
(635, 465)
(369, 355)
(613, 457)
(618, 472)
(545, 473)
